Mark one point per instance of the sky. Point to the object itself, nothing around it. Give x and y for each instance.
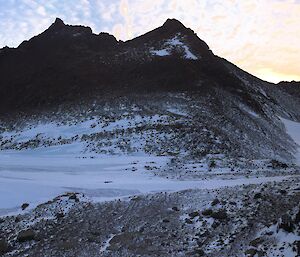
(260, 36)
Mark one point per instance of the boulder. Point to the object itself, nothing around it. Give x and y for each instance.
(194, 214)
(256, 242)
(207, 212)
(175, 208)
(257, 196)
(26, 235)
(220, 214)
(3, 246)
(215, 202)
(286, 223)
(251, 252)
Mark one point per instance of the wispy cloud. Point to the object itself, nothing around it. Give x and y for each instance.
(262, 37)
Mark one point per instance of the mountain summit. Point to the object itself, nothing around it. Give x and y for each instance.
(58, 23)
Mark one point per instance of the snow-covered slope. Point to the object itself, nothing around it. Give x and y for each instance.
(182, 126)
(293, 129)
(135, 146)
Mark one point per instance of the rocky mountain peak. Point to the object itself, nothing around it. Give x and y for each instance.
(173, 24)
(58, 24)
(59, 27)
(59, 21)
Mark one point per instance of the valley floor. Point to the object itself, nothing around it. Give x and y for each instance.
(142, 205)
(121, 206)
(243, 220)
(35, 176)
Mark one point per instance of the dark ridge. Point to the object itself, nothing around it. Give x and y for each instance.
(70, 63)
(293, 82)
(292, 88)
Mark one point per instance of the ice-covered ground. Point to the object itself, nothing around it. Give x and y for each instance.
(36, 176)
(293, 129)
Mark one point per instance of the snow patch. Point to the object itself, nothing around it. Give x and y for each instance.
(162, 52)
(177, 43)
(248, 110)
(174, 43)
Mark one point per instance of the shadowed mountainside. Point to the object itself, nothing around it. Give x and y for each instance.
(211, 106)
(67, 63)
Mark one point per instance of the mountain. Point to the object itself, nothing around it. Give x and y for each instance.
(150, 147)
(165, 89)
(70, 62)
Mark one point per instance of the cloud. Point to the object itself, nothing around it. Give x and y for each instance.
(262, 37)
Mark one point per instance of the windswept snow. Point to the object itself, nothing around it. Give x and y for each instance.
(35, 176)
(55, 130)
(293, 129)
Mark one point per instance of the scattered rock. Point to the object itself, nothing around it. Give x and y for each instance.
(188, 221)
(257, 196)
(283, 192)
(136, 198)
(251, 252)
(215, 224)
(256, 242)
(198, 252)
(175, 208)
(118, 241)
(297, 245)
(73, 197)
(286, 223)
(194, 214)
(59, 215)
(207, 212)
(66, 245)
(215, 202)
(26, 235)
(277, 164)
(24, 206)
(220, 214)
(297, 218)
(206, 233)
(261, 254)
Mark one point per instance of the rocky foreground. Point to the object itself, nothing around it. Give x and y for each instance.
(249, 220)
